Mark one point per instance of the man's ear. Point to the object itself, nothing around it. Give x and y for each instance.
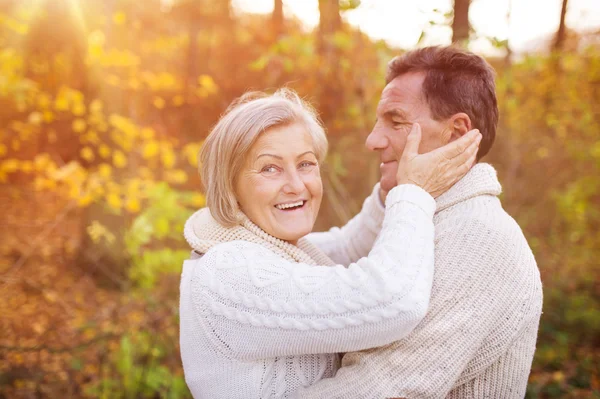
(459, 124)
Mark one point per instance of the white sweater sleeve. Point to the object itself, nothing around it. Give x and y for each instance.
(356, 238)
(254, 304)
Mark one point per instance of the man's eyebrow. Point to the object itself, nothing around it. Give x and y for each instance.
(395, 112)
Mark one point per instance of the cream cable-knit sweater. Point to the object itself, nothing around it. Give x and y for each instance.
(254, 324)
(478, 338)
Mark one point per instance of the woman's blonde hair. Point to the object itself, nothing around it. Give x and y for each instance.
(224, 151)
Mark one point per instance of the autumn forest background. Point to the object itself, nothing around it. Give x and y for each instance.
(103, 107)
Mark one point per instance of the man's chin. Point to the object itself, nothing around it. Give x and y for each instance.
(387, 184)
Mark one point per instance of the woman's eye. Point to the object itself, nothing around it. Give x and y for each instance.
(269, 169)
(307, 164)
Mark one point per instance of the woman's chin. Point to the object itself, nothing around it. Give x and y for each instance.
(292, 235)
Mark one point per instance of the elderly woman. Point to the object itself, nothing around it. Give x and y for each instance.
(266, 306)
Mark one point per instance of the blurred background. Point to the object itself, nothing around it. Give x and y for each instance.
(104, 105)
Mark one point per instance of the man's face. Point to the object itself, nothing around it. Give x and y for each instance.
(401, 105)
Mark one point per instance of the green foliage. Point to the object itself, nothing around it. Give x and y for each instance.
(161, 223)
(135, 371)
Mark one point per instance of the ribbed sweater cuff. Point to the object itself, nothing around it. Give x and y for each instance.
(413, 194)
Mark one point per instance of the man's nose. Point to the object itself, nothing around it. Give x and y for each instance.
(294, 183)
(376, 140)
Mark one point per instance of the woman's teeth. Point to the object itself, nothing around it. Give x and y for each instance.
(290, 205)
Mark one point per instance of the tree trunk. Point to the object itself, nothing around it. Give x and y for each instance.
(460, 23)
(329, 21)
(561, 33)
(277, 18)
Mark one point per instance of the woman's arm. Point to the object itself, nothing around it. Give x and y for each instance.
(256, 304)
(355, 239)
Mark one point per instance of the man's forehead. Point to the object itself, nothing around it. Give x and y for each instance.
(403, 88)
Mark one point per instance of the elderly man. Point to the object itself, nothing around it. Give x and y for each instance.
(478, 338)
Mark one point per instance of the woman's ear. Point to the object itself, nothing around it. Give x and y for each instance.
(460, 124)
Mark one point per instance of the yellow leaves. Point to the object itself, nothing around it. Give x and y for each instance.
(91, 137)
(178, 100)
(168, 157)
(41, 183)
(10, 165)
(3, 150)
(191, 151)
(26, 166)
(35, 118)
(14, 25)
(114, 201)
(119, 159)
(98, 231)
(159, 102)
(198, 200)
(150, 149)
(43, 162)
(134, 83)
(87, 154)
(116, 58)
(119, 18)
(132, 205)
(96, 38)
(176, 176)
(113, 80)
(96, 106)
(104, 151)
(44, 101)
(79, 125)
(543, 152)
(105, 170)
(207, 86)
(85, 200)
(78, 109)
(48, 116)
(147, 133)
(61, 104)
(160, 82)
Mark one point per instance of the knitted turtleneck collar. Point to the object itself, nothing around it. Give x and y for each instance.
(203, 232)
(480, 180)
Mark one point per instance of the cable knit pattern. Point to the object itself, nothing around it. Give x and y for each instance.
(478, 338)
(261, 318)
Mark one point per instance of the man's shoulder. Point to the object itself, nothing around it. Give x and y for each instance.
(484, 211)
(480, 226)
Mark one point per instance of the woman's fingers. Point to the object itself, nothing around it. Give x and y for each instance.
(438, 170)
(459, 148)
(411, 149)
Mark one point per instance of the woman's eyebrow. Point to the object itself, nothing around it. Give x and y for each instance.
(269, 155)
(307, 152)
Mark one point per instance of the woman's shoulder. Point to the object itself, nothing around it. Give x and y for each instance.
(239, 246)
(236, 253)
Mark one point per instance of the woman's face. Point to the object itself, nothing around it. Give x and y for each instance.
(279, 187)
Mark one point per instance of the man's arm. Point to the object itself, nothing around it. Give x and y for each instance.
(481, 293)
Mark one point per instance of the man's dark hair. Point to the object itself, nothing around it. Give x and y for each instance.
(455, 81)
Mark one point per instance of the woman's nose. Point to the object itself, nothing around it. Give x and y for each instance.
(294, 183)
